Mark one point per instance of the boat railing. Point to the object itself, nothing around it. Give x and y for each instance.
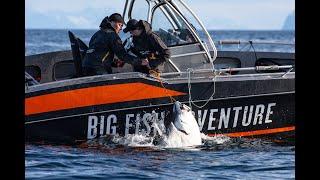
(227, 70)
(221, 43)
(211, 43)
(29, 80)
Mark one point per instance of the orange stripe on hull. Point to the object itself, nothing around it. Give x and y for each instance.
(257, 132)
(95, 96)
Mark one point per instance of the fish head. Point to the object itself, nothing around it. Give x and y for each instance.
(183, 118)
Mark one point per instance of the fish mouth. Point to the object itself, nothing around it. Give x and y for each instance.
(185, 107)
(179, 106)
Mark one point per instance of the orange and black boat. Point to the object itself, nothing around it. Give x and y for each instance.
(235, 93)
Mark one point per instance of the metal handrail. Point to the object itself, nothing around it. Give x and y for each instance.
(191, 29)
(205, 31)
(221, 42)
(257, 68)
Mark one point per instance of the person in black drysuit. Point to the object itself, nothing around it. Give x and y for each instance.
(147, 44)
(103, 45)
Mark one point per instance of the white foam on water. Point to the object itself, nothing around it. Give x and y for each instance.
(166, 142)
(134, 140)
(218, 139)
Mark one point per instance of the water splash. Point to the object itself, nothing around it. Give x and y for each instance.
(218, 139)
(134, 140)
(155, 142)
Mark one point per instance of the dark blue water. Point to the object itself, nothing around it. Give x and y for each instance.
(215, 159)
(39, 41)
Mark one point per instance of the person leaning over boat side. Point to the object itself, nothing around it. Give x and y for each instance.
(147, 44)
(103, 45)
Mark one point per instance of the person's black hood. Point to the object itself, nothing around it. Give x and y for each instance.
(145, 26)
(106, 24)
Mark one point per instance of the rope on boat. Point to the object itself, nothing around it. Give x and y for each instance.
(255, 54)
(216, 73)
(189, 70)
(157, 75)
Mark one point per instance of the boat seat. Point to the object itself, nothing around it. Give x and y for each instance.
(82, 47)
(79, 49)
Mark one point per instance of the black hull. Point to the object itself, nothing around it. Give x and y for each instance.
(251, 108)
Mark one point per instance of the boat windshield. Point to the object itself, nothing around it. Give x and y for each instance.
(170, 26)
(165, 21)
(174, 22)
(196, 24)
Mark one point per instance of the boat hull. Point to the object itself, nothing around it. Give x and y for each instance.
(238, 108)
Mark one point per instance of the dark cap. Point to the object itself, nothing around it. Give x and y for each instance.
(116, 17)
(132, 24)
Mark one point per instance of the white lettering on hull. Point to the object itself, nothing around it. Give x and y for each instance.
(269, 112)
(101, 125)
(246, 121)
(209, 119)
(224, 118)
(258, 115)
(236, 116)
(92, 127)
(202, 118)
(111, 129)
(128, 124)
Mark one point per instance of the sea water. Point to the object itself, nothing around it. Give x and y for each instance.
(134, 157)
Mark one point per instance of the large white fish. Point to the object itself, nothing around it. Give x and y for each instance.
(184, 130)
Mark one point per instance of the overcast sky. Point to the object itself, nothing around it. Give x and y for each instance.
(215, 14)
